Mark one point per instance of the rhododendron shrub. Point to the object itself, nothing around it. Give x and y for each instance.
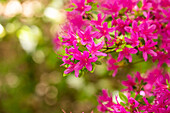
(117, 30)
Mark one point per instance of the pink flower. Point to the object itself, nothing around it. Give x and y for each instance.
(69, 39)
(57, 43)
(146, 31)
(106, 104)
(88, 1)
(147, 107)
(147, 49)
(86, 36)
(99, 21)
(129, 4)
(81, 7)
(162, 58)
(70, 68)
(73, 50)
(84, 60)
(94, 49)
(104, 31)
(111, 65)
(111, 7)
(134, 28)
(129, 83)
(76, 20)
(121, 25)
(126, 53)
(133, 40)
(167, 14)
(65, 60)
(133, 102)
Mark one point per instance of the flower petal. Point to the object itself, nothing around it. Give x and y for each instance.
(145, 56)
(89, 66)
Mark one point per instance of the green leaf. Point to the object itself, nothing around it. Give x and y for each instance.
(94, 6)
(92, 68)
(69, 9)
(138, 97)
(81, 73)
(82, 48)
(129, 46)
(74, 4)
(151, 99)
(123, 97)
(132, 94)
(64, 75)
(98, 63)
(122, 11)
(123, 104)
(139, 4)
(167, 81)
(109, 24)
(118, 50)
(60, 38)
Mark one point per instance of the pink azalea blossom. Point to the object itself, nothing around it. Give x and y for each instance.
(99, 21)
(111, 65)
(104, 31)
(162, 58)
(146, 31)
(133, 102)
(57, 43)
(106, 104)
(148, 49)
(121, 25)
(81, 7)
(88, 1)
(94, 49)
(86, 36)
(133, 40)
(129, 83)
(84, 60)
(76, 20)
(126, 53)
(134, 29)
(111, 7)
(167, 14)
(69, 39)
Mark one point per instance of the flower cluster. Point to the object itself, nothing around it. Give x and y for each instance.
(126, 29)
(147, 94)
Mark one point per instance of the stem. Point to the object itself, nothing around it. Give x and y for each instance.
(133, 63)
(106, 43)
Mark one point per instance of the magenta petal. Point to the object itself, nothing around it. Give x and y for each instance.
(67, 71)
(88, 8)
(152, 52)
(108, 37)
(134, 24)
(114, 73)
(86, 54)
(105, 25)
(80, 34)
(78, 66)
(130, 58)
(93, 59)
(120, 57)
(76, 73)
(89, 66)
(128, 29)
(133, 51)
(145, 56)
(152, 28)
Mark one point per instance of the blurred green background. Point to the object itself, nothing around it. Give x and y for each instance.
(31, 78)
